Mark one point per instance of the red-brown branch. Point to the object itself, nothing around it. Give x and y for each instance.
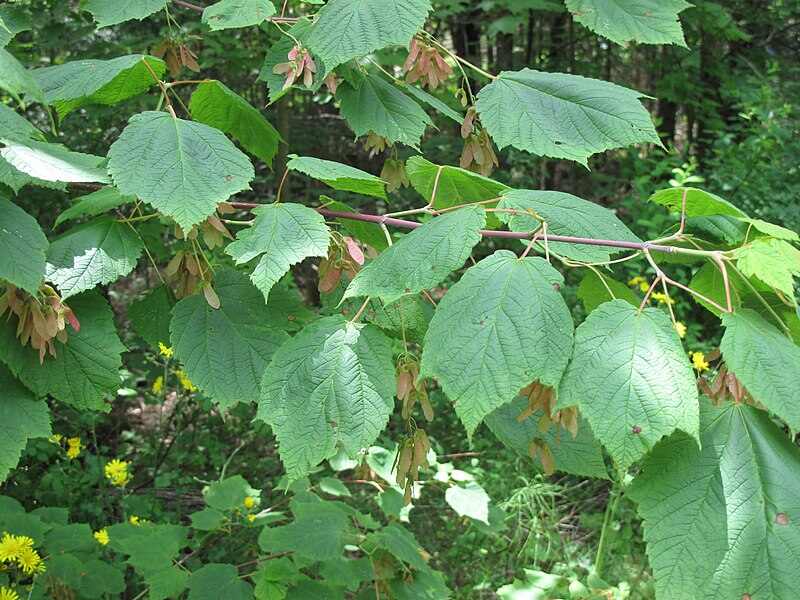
(513, 235)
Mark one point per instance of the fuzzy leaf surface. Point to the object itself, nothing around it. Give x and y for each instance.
(53, 162)
(113, 12)
(765, 361)
(331, 386)
(182, 168)
(282, 235)
(377, 106)
(724, 521)
(423, 258)
(347, 29)
(226, 350)
(631, 379)
(23, 246)
(95, 253)
(500, 328)
(563, 116)
(24, 417)
(85, 370)
(228, 14)
(622, 21)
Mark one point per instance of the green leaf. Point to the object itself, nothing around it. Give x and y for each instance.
(228, 14)
(699, 203)
(723, 227)
(228, 494)
(96, 203)
(346, 29)
(566, 214)
(536, 585)
(13, 20)
(709, 282)
(333, 487)
(152, 549)
(113, 12)
(772, 230)
(765, 361)
(226, 350)
(82, 82)
(422, 258)
(53, 162)
(772, 261)
(16, 179)
(95, 253)
(579, 456)
(631, 379)
(377, 106)
(100, 580)
(593, 115)
(282, 235)
(150, 316)
(22, 246)
(400, 543)
(24, 417)
(183, 169)
(470, 501)
(214, 581)
(15, 126)
(85, 370)
(318, 531)
(724, 521)
(207, 519)
(596, 288)
(407, 317)
(622, 21)
(331, 386)
(15, 79)
(454, 186)
(432, 101)
(500, 328)
(214, 104)
(339, 176)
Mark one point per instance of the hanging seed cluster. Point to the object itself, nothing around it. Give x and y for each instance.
(411, 390)
(41, 319)
(413, 456)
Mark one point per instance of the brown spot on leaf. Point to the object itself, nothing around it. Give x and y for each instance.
(747, 597)
(636, 430)
(782, 518)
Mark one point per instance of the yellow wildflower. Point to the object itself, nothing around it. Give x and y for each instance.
(699, 361)
(249, 502)
(681, 329)
(251, 518)
(644, 286)
(164, 350)
(12, 545)
(662, 298)
(73, 447)
(117, 472)
(134, 520)
(158, 385)
(30, 562)
(55, 438)
(102, 536)
(633, 282)
(8, 594)
(185, 382)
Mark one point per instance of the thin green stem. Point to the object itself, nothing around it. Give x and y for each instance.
(615, 495)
